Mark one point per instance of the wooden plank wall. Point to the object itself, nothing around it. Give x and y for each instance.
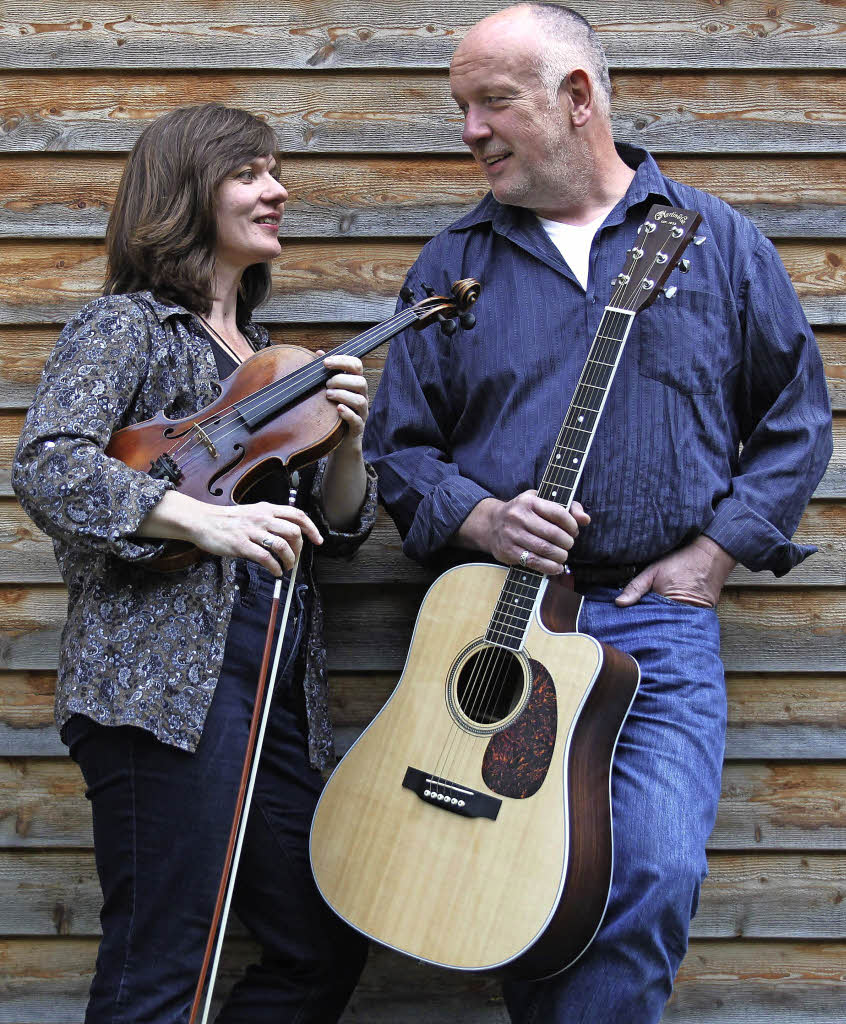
(742, 97)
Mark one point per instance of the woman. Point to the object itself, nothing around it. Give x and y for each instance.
(157, 671)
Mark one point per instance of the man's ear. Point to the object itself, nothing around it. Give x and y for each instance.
(575, 94)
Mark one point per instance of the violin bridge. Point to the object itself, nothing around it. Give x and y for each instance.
(207, 441)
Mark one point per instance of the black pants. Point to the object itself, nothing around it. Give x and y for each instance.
(161, 824)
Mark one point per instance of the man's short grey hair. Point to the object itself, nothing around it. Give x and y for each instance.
(569, 41)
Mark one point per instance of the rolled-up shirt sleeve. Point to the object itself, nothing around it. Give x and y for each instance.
(407, 440)
(342, 543)
(64, 480)
(785, 425)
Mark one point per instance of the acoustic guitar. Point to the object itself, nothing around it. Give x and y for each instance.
(470, 824)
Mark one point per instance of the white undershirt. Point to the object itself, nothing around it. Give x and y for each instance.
(573, 241)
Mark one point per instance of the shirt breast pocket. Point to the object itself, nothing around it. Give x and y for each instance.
(689, 342)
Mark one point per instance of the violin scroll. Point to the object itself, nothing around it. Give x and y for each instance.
(444, 308)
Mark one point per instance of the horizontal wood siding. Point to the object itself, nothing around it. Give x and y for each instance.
(743, 98)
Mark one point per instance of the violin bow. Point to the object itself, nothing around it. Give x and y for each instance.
(249, 772)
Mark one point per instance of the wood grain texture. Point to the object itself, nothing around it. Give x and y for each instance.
(758, 896)
(745, 982)
(45, 282)
(26, 554)
(832, 485)
(749, 982)
(71, 195)
(772, 717)
(23, 351)
(764, 806)
(762, 630)
(669, 112)
(786, 716)
(401, 34)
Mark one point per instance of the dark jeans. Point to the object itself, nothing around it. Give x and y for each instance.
(161, 824)
(665, 788)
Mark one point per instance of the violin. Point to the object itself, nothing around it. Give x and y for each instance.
(272, 413)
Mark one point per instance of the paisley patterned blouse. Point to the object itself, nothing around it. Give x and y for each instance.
(141, 647)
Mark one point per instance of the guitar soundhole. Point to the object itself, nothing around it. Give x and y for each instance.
(490, 685)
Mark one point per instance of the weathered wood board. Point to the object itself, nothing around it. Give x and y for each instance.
(24, 349)
(47, 195)
(761, 895)
(769, 806)
(338, 280)
(355, 34)
(45, 981)
(669, 112)
(26, 554)
(770, 717)
(762, 631)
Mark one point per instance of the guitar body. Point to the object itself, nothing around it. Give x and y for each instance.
(470, 828)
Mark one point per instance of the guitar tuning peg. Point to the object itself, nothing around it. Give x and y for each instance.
(684, 266)
(467, 320)
(449, 327)
(668, 292)
(699, 239)
(406, 294)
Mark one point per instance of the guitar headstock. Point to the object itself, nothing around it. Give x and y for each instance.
(661, 240)
(444, 307)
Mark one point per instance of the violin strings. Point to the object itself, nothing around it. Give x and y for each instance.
(301, 379)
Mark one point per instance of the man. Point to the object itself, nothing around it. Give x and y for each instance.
(715, 433)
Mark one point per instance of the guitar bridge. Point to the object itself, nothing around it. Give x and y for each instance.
(450, 796)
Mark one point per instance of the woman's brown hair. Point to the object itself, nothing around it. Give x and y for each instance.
(163, 229)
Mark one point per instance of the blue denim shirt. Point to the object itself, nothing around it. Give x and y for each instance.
(718, 421)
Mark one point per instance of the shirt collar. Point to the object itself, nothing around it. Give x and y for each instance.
(163, 310)
(648, 183)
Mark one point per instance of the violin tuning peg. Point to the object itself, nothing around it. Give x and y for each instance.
(669, 292)
(428, 290)
(449, 327)
(684, 266)
(406, 294)
(699, 239)
(467, 320)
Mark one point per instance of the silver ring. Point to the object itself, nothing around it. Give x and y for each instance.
(268, 542)
(524, 558)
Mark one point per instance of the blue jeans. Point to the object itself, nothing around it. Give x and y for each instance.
(665, 789)
(161, 824)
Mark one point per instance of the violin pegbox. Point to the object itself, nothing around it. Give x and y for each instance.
(444, 309)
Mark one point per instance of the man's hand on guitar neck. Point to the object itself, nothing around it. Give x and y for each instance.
(543, 529)
(694, 574)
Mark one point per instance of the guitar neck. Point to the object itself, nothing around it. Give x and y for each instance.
(566, 463)
(661, 239)
(564, 470)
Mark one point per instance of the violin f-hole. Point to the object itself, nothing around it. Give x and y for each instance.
(217, 492)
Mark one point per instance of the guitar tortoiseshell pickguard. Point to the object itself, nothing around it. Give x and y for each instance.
(517, 759)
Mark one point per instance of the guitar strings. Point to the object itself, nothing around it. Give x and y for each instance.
(605, 352)
(489, 675)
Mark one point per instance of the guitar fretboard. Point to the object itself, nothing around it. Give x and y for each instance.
(516, 601)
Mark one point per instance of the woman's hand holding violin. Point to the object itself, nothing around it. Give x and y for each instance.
(345, 481)
(348, 389)
(270, 535)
